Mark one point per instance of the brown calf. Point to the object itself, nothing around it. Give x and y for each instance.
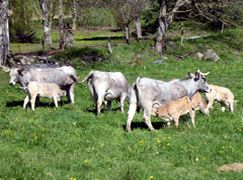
(222, 95)
(174, 109)
(49, 90)
(198, 103)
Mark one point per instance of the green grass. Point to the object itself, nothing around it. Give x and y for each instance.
(72, 142)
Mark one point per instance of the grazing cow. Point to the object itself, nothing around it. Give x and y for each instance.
(222, 95)
(198, 103)
(63, 76)
(49, 90)
(173, 110)
(108, 86)
(149, 91)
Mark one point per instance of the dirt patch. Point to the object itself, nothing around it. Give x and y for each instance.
(231, 167)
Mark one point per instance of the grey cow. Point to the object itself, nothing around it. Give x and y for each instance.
(63, 76)
(108, 86)
(150, 91)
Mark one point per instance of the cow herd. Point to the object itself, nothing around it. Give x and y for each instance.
(166, 100)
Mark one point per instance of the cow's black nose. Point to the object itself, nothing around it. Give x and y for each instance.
(11, 83)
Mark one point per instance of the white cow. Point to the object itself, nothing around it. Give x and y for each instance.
(222, 95)
(149, 91)
(109, 86)
(49, 90)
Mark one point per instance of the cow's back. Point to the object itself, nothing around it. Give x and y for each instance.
(156, 90)
(221, 93)
(44, 89)
(60, 76)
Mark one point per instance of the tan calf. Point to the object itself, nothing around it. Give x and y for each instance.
(174, 109)
(222, 95)
(49, 90)
(198, 103)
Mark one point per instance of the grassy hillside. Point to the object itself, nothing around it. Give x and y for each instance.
(72, 142)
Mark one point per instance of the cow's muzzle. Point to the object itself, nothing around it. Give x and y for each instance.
(12, 83)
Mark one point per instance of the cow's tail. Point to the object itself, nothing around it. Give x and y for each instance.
(90, 74)
(136, 88)
(133, 106)
(76, 81)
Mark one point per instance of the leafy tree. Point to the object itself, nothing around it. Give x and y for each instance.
(20, 22)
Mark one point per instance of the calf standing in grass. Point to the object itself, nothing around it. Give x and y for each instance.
(49, 90)
(174, 109)
(222, 95)
(198, 103)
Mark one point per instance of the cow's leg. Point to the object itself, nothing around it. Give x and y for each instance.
(32, 101)
(99, 100)
(231, 106)
(223, 107)
(210, 100)
(100, 92)
(26, 100)
(176, 119)
(146, 118)
(122, 99)
(70, 94)
(130, 114)
(109, 105)
(192, 114)
(37, 101)
(54, 97)
(99, 104)
(91, 91)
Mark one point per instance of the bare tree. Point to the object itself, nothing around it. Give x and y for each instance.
(127, 11)
(49, 8)
(46, 23)
(224, 12)
(228, 12)
(61, 33)
(4, 31)
(74, 14)
(166, 17)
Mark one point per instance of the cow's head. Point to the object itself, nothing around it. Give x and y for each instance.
(200, 81)
(14, 74)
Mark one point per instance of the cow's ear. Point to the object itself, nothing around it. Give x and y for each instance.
(197, 75)
(190, 74)
(20, 71)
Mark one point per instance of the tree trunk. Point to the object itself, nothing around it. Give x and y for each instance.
(47, 24)
(165, 21)
(109, 44)
(68, 35)
(74, 14)
(127, 34)
(4, 39)
(162, 29)
(138, 27)
(61, 33)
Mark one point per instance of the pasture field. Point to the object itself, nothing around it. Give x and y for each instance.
(72, 142)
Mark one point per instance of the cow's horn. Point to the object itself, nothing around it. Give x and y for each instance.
(205, 74)
(5, 69)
